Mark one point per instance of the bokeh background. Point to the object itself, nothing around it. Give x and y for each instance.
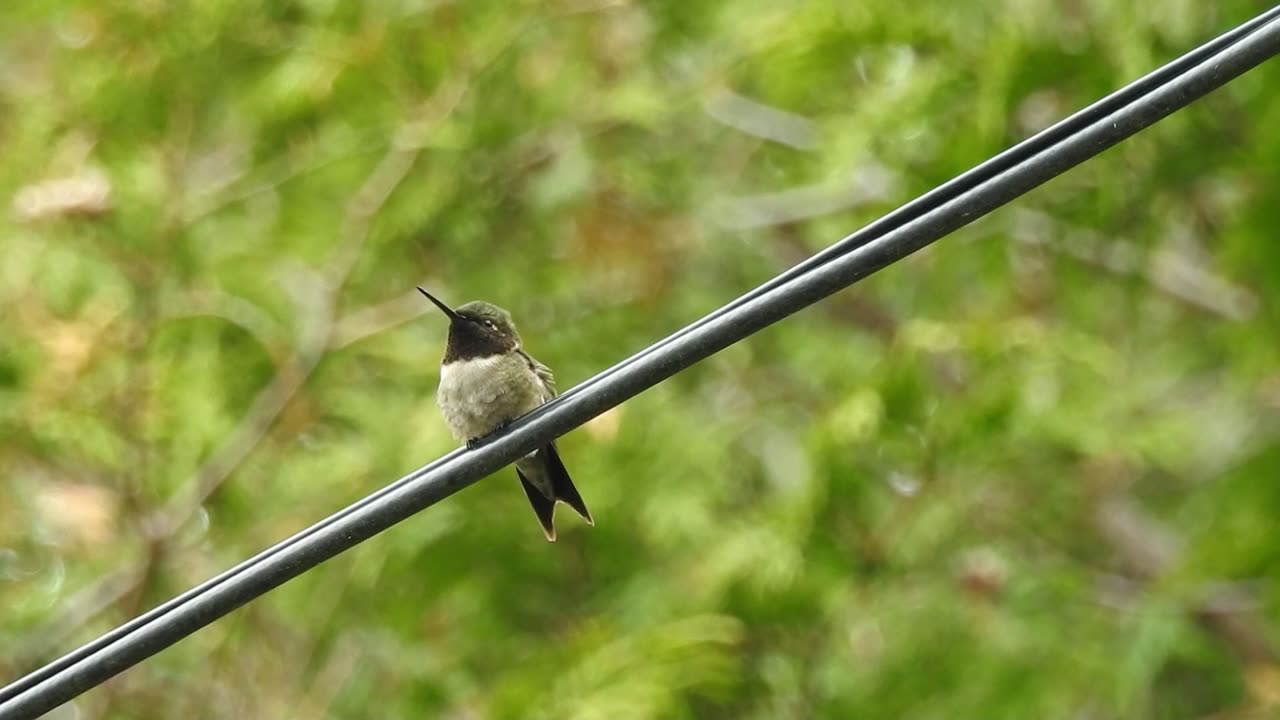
(1031, 472)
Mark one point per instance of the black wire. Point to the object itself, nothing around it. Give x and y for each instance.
(970, 179)
(889, 239)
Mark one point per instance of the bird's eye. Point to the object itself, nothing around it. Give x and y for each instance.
(489, 324)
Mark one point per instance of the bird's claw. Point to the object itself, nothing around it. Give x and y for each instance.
(476, 442)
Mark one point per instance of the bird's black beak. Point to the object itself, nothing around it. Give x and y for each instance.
(453, 316)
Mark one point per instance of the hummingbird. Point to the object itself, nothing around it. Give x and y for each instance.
(486, 381)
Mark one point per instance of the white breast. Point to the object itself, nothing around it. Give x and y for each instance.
(476, 395)
(473, 378)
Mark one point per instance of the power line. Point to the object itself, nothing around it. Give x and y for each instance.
(893, 237)
(951, 189)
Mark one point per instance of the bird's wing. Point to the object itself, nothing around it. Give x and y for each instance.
(543, 372)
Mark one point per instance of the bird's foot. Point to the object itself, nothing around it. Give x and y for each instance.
(476, 442)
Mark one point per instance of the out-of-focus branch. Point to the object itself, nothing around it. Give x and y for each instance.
(79, 609)
(1168, 270)
(237, 311)
(1149, 550)
(232, 190)
(343, 660)
(760, 120)
(292, 371)
(870, 184)
(368, 200)
(374, 319)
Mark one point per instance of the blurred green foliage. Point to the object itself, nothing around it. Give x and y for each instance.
(1033, 471)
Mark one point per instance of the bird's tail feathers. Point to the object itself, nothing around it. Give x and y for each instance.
(562, 484)
(543, 507)
(546, 482)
